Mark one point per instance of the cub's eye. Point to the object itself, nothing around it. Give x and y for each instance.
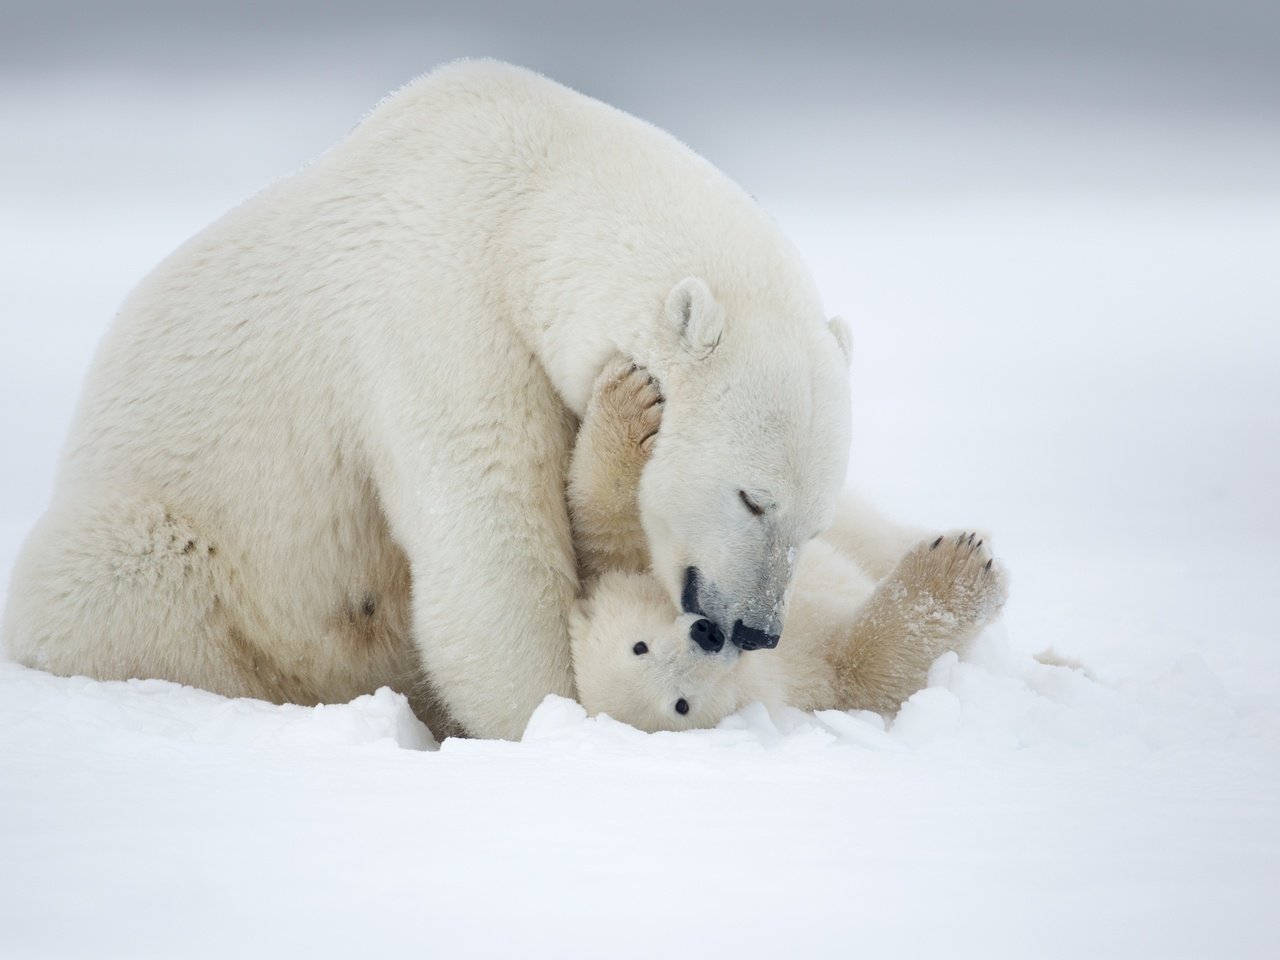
(755, 508)
(640, 648)
(682, 706)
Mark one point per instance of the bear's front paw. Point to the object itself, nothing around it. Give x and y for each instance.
(956, 574)
(628, 402)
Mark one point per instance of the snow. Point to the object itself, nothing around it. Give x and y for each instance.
(1011, 808)
(1064, 334)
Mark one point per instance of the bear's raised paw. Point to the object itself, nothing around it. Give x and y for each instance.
(627, 403)
(954, 579)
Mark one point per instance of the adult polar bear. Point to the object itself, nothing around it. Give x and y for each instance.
(324, 445)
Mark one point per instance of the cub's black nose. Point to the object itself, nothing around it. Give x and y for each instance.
(749, 638)
(707, 635)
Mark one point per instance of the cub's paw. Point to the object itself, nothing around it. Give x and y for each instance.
(627, 405)
(954, 578)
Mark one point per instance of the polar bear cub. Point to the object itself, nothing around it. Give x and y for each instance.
(851, 641)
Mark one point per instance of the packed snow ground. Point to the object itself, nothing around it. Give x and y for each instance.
(1082, 366)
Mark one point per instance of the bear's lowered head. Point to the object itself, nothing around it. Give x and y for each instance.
(751, 456)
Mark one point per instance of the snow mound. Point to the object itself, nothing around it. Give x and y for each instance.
(45, 707)
(995, 700)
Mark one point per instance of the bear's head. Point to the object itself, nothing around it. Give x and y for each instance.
(749, 461)
(642, 662)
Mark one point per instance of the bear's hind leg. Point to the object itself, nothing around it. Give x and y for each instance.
(867, 537)
(937, 598)
(118, 586)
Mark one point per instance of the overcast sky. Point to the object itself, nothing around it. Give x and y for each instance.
(1205, 55)
(882, 97)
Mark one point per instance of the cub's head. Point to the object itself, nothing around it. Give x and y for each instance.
(640, 661)
(751, 456)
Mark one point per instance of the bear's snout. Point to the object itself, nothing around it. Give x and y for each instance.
(749, 638)
(707, 635)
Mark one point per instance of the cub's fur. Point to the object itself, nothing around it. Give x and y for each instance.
(861, 631)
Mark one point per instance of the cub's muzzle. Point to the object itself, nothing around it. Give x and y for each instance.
(707, 635)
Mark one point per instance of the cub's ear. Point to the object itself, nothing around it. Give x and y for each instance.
(695, 316)
(844, 337)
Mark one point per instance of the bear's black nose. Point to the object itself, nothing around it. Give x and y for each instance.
(749, 638)
(707, 635)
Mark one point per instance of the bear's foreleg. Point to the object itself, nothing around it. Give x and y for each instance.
(475, 497)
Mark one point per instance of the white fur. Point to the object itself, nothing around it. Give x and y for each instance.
(850, 643)
(360, 387)
(869, 612)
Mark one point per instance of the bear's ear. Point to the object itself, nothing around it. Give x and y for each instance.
(695, 316)
(844, 337)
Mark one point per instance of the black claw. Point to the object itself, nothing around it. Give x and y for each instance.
(934, 545)
(980, 542)
(987, 566)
